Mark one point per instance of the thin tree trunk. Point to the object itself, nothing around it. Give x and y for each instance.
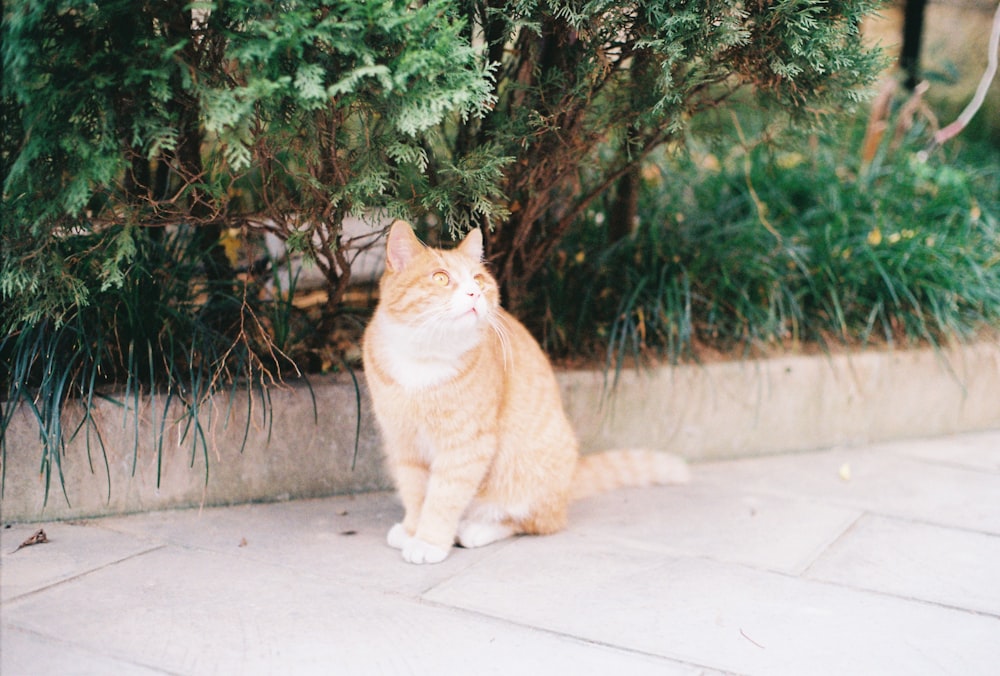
(913, 26)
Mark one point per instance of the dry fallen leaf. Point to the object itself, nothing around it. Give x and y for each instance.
(38, 538)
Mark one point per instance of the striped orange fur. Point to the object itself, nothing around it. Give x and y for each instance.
(472, 421)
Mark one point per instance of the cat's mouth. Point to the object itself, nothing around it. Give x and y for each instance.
(472, 311)
(473, 315)
(464, 316)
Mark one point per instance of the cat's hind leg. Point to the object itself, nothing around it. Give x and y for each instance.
(486, 522)
(480, 533)
(483, 525)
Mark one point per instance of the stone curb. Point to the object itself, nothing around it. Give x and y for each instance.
(713, 411)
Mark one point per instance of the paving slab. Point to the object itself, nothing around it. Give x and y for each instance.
(27, 652)
(884, 479)
(72, 550)
(969, 451)
(918, 561)
(196, 612)
(343, 535)
(783, 534)
(879, 559)
(723, 616)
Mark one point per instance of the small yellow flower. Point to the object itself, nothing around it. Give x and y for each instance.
(875, 236)
(894, 237)
(790, 160)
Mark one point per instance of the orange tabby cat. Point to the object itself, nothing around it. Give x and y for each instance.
(471, 416)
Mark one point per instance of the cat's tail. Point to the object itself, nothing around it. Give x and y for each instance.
(605, 471)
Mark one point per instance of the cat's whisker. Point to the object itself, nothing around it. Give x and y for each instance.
(499, 327)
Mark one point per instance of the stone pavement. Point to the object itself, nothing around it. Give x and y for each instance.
(882, 559)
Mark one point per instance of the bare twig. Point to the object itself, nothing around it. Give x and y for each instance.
(744, 635)
(757, 201)
(958, 125)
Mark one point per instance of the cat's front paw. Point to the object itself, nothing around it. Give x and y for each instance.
(418, 551)
(398, 537)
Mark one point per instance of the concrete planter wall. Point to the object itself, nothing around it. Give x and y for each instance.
(723, 410)
(745, 408)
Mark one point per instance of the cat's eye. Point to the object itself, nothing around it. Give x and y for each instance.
(440, 278)
(480, 281)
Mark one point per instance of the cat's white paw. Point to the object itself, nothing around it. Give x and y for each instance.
(418, 551)
(480, 533)
(397, 537)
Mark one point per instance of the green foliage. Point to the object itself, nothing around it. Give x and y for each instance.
(117, 114)
(303, 111)
(743, 250)
(586, 90)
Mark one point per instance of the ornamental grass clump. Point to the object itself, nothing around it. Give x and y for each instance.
(761, 248)
(157, 346)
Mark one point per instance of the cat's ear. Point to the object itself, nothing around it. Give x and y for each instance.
(402, 246)
(472, 245)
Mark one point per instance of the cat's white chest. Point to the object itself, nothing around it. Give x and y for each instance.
(420, 374)
(417, 360)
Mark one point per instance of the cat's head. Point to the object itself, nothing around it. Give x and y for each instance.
(444, 290)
